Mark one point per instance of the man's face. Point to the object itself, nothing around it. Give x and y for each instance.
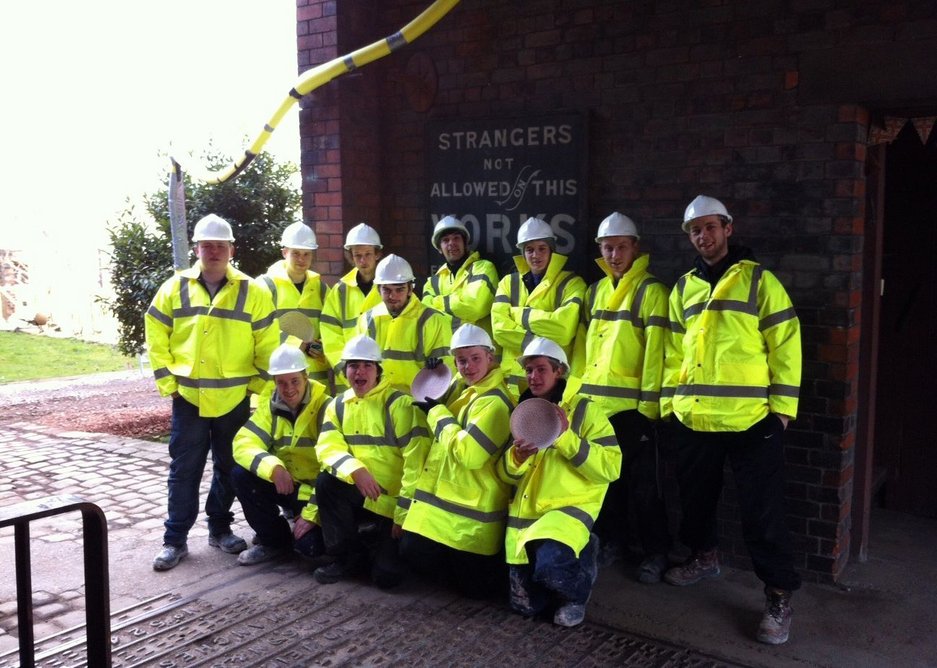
(452, 246)
(710, 237)
(619, 253)
(361, 375)
(541, 376)
(291, 387)
(395, 297)
(473, 363)
(365, 259)
(537, 253)
(298, 260)
(214, 255)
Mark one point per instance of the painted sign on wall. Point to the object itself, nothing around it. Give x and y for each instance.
(494, 174)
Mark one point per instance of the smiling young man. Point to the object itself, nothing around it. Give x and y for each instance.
(210, 331)
(732, 381)
(620, 361)
(411, 335)
(539, 299)
(351, 296)
(294, 286)
(455, 524)
(277, 461)
(464, 286)
(371, 446)
(549, 546)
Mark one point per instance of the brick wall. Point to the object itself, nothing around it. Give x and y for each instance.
(683, 97)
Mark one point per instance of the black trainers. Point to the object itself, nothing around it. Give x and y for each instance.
(775, 624)
(700, 566)
(227, 542)
(169, 557)
(652, 569)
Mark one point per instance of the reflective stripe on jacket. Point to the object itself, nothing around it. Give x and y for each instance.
(561, 488)
(273, 437)
(734, 354)
(408, 340)
(465, 297)
(620, 356)
(210, 351)
(551, 310)
(382, 432)
(344, 303)
(459, 499)
(309, 302)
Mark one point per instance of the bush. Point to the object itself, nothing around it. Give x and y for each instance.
(259, 203)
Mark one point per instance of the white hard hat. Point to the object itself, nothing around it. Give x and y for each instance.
(362, 235)
(299, 235)
(212, 228)
(446, 225)
(393, 269)
(704, 206)
(617, 225)
(469, 335)
(286, 359)
(541, 347)
(361, 347)
(532, 230)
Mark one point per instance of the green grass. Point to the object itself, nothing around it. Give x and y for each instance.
(32, 356)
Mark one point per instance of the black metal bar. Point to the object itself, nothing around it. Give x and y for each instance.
(24, 595)
(97, 584)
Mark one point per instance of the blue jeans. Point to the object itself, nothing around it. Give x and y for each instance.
(554, 571)
(191, 437)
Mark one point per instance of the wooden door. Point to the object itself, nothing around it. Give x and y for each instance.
(906, 413)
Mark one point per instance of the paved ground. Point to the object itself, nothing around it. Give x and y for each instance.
(210, 611)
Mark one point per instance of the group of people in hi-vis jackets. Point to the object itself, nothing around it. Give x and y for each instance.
(342, 464)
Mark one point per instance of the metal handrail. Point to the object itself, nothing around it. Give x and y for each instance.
(97, 584)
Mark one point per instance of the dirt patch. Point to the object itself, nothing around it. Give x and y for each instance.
(123, 404)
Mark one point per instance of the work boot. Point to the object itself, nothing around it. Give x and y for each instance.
(339, 569)
(775, 624)
(259, 553)
(700, 566)
(227, 542)
(169, 557)
(571, 614)
(652, 569)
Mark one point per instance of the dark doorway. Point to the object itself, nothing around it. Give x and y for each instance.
(906, 416)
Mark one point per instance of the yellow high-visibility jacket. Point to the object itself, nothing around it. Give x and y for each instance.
(620, 354)
(459, 499)
(211, 351)
(382, 432)
(408, 340)
(344, 303)
(275, 437)
(561, 488)
(309, 302)
(734, 353)
(551, 311)
(466, 296)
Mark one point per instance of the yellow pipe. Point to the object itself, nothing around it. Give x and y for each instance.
(324, 73)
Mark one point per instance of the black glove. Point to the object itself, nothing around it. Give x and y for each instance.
(426, 404)
(432, 362)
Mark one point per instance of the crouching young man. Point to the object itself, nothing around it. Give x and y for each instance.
(277, 464)
(549, 546)
(455, 524)
(371, 447)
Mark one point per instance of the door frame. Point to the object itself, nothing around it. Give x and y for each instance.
(866, 482)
